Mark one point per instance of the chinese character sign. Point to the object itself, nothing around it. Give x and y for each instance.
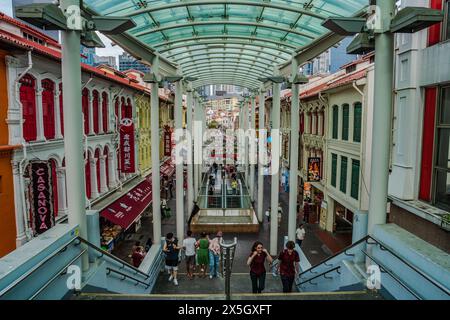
(127, 164)
(314, 169)
(167, 143)
(42, 197)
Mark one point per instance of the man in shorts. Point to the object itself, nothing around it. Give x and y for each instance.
(189, 249)
(172, 250)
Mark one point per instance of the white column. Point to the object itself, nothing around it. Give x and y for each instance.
(190, 170)
(156, 192)
(112, 172)
(293, 163)
(20, 206)
(103, 184)
(197, 149)
(57, 113)
(100, 113)
(62, 191)
(39, 114)
(262, 143)
(94, 187)
(178, 113)
(246, 158)
(252, 151)
(91, 113)
(275, 167)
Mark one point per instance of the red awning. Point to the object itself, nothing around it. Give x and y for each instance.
(127, 208)
(167, 168)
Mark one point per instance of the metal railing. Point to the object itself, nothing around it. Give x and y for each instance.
(370, 241)
(126, 276)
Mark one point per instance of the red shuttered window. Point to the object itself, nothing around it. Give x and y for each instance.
(61, 108)
(95, 106)
(48, 108)
(85, 108)
(105, 114)
(97, 168)
(87, 171)
(106, 154)
(28, 101)
(434, 32)
(54, 187)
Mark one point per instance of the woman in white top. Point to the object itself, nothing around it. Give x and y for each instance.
(300, 234)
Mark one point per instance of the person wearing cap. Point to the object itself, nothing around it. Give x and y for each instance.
(214, 253)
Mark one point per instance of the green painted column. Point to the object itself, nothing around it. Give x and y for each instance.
(73, 129)
(261, 155)
(179, 160)
(382, 116)
(275, 168)
(293, 162)
(156, 184)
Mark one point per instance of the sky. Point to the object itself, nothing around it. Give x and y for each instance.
(109, 50)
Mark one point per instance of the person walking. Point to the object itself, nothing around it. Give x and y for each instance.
(172, 250)
(256, 261)
(202, 253)
(300, 233)
(280, 214)
(137, 256)
(171, 188)
(214, 254)
(288, 266)
(268, 214)
(189, 249)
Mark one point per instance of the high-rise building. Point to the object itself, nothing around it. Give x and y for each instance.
(51, 33)
(87, 55)
(107, 60)
(127, 61)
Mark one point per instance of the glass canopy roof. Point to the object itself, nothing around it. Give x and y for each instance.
(227, 42)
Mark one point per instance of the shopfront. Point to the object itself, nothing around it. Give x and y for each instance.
(123, 215)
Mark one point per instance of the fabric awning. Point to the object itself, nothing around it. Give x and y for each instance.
(125, 210)
(167, 168)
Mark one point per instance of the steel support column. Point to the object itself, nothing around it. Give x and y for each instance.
(156, 184)
(252, 150)
(293, 162)
(179, 160)
(73, 130)
(189, 136)
(261, 155)
(275, 167)
(382, 116)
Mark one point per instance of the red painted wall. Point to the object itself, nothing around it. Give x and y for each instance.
(434, 32)
(428, 143)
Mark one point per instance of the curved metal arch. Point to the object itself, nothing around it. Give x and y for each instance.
(219, 64)
(215, 80)
(234, 69)
(224, 61)
(234, 42)
(295, 9)
(221, 36)
(226, 73)
(224, 47)
(227, 54)
(226, 76)
(224, 22)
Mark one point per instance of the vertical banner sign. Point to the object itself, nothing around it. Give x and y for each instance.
(167, 143)
(127, 146)
(314, 169)
(42, 197)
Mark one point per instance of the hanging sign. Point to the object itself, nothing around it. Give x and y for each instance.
(167, 143)
(314, 169)
(127, 146)
(42, 196)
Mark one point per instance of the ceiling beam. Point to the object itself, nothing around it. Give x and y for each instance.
(237, 55)
(223, 50)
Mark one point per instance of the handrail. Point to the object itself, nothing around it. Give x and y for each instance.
(109, 255)
(319, 275)
(58, 274)
(438, 285)
(36, 267)
(393, 276)
(127, 276)
(336, 254)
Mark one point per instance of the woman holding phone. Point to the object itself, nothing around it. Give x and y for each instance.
(256, 262)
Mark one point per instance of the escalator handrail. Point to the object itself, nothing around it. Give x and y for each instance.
(109, 255)
(318, 276)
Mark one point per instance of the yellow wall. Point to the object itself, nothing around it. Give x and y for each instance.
(144, 141)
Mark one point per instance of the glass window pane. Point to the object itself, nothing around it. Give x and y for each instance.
(443, 149)
(357, 122)
(343, 178)
(445, 106)
(443, 189)
(345, 114)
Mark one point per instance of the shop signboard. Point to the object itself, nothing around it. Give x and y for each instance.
(313, 169)
(167, 143)
(127, 161)
(41, 196)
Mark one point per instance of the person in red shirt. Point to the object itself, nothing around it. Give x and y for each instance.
(288, 266)
(256, 261)
(137, 256)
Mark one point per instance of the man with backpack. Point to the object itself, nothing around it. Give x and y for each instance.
(171, 249)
